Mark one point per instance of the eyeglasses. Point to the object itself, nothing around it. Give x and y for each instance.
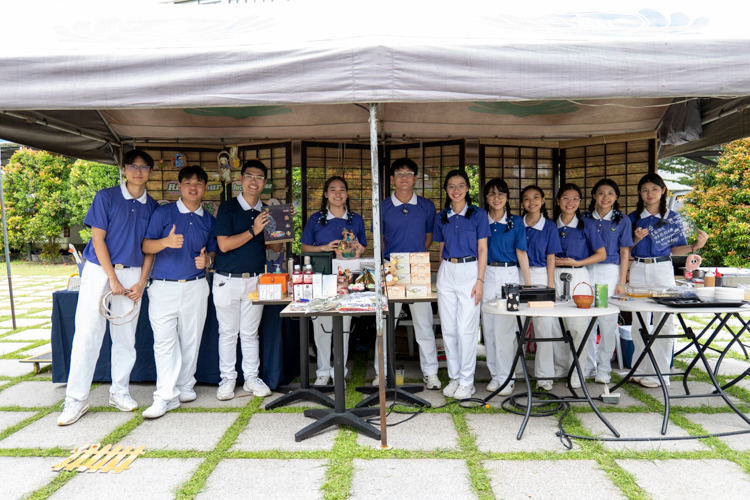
(565, 199)
(404, 175)
(142, 168)
(460, 187)
(496, 195)
(256, 178)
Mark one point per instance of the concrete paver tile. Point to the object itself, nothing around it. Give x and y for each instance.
(496, 433)
(23, 475)
(32, 394)
(45, 433)
(429, 431)
(275, 431)
(183, 431)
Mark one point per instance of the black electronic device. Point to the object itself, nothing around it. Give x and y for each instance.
(531, 293)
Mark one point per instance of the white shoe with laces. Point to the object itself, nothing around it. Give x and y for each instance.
(575, 383)
(187, 395)
(323, 380)
(432, 382)
(225, 392)
(450, 389)
(544, 384)
(464, 392)
(493, 385)
(507, 390)
(257, 387)
(160, 407)
(72, 411)
(602, 378)
(122, 402)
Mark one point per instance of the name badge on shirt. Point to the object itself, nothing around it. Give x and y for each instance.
(405, 210)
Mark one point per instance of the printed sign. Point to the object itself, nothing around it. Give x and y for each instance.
(280, 227)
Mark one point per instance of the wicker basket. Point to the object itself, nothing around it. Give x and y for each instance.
(583, 301)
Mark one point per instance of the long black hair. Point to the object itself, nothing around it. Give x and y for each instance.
(617, 215)
(536, 188)
(470, 208)
(654, 179)
(557, 211)
(500, 186)
(322, 220)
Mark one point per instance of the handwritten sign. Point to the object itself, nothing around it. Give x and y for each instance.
(666, 236)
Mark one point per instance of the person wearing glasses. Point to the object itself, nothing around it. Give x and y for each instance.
(239, 262)
(462, 230)
(180, 237)
(408, 222)
(118, 218)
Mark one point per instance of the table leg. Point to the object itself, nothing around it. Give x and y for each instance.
(519, 353)
(647, 341)
(735, 338)
(694, 341)
(304, 392)
(705, 329)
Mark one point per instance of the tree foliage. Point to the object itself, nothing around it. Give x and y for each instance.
(720, 205)
(86, 178)
(686, 168)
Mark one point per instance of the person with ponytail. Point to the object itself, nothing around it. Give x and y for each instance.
(657, 234)
(506, 254)
(542, 243)
(616, 231)
(581, 246)
(322, 233)
(462, 231)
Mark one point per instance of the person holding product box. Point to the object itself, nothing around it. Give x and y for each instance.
(462, 230)
(408, 221)
(323, 233)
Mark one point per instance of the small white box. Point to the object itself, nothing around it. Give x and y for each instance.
(302, 292)
(351, 264)
(419, 258)
(329, 285)
(402, 268)
(403, 278)
(417, 291)
(420, 279)
(317, 286)
(270, 292)
(420, 268)
(400, 258)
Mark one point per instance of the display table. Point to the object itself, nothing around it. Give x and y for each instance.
(403, 393)
(279, 363)
(645, 305)
(340, 414)
(561, 311)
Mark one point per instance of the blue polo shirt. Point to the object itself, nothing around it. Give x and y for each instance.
(615, 236)
(125, 219)
(541, 240)
(196, 228)
(234, 217)
(406, 225)
(660, 240)
(578, 244)
(315, 233)
(460, 235)
(504, 242)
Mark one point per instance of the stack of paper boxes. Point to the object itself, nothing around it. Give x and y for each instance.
(413, 275)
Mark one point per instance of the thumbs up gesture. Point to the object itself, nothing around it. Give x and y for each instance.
(201, 260)
(173, 240)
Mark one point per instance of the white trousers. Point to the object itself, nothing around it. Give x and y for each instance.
(237, 315)
(421, 316)
(90, 326)
(178, 314)
(499, 331)
(577, 326)
(543, 360)
(323, 331)
(658, 274)
(600, 359)
(459, 318)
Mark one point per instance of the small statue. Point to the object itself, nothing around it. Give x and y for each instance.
(225, 175)
(348, 247)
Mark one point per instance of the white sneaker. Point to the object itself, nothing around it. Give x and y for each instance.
(493, 385)
(160, 407)
(122, 402)
(187, 395)
(544, 384)
(257, 387)
(432, 382)
(464, 391)
(450, 389)
(72, 411)
(507, 390)
(376, 382)
(225, 392)
(323, 380)
(575, 383)
(602, 378)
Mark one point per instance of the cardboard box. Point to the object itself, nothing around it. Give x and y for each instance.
(270, 292)
(417, 291)
(420, 279)
(403, 278)
(274, 279)
(329, 285)
(402, 268)
(420, 268)
(317, 286)
(397, 292)
(302, 292)
(419, 258)
(351, 264)
(400, 258)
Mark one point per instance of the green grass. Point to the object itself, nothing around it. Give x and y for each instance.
(20, 269)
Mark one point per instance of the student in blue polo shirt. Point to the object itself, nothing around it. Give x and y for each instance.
(581, 246)
(322, 233)
(239, 262)
(462, 230)
(616, 232)
(118, 218)
(408, 222)
(657, 234)
(542, 243)
(506, 253)
(180, 235)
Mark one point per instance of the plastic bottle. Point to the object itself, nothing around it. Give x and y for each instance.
(308, 276)
(297, 277)
(709, 279)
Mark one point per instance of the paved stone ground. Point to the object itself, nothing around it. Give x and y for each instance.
(234, 449)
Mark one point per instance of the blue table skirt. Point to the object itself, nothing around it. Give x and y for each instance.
(279, 346)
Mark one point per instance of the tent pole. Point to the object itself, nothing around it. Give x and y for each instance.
(378, 276)
(5, 247)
